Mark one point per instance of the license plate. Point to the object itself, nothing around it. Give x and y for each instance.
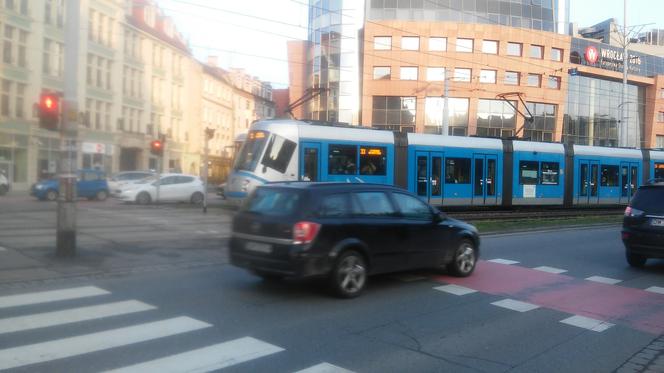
(657, 222)
(258, 247)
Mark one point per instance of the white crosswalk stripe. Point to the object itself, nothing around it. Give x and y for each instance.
(73, 315)
(587, 323)
(207, 359)
(50, 296)
(324, 368)
(73, 346)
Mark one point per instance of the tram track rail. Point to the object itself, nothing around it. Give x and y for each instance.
(532, 213)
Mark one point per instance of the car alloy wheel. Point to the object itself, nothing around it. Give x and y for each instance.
(197, 198)
(143, 198)
(51, 195)
(102, 195)
(464, 260)
(350, 275)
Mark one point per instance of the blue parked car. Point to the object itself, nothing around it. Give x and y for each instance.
(90, 184)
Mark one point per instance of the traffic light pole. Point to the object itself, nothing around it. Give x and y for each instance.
(208, 134)
(66, 227)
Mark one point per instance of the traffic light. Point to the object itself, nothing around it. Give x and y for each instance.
(157, 147)
(49, 111)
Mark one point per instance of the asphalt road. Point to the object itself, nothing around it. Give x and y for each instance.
(593, 317)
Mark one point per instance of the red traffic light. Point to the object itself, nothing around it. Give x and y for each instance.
(49, 111)
(156, 147)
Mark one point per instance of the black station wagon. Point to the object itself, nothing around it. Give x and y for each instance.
(643, 225)
(346, 232)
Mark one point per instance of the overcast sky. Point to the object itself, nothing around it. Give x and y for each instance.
(252, 34)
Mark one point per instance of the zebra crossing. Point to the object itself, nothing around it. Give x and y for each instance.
(224, 354)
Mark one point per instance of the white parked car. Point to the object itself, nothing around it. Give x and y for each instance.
(172, 188)
(4, 184)
(120, 180)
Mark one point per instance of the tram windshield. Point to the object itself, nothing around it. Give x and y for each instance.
(251, 151)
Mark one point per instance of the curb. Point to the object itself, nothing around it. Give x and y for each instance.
(549, 229)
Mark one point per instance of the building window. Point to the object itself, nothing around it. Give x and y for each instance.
(488, 76)
(659, 144)
(408, 73)
(512, 78)
(660, 116)
(490, 46)
(534, 80)
(381, 72)
(661, 93)
(544, 122)
(537, 51)
(393, 112)
(496, 118)
(5, 93)
(514, 49)
(53, 58)
(437, 44)
(464, 45)
(556, 54)
(382, 42)
(410, 43)
(462, 75)
(435, 74)
(457, 118)
(553, 82)
(14, 46)
(12, 99)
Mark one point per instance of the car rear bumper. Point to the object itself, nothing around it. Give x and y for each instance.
(650, 244)
(287, 260)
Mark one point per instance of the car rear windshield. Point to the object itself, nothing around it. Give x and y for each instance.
(649, 199)
(274, 202)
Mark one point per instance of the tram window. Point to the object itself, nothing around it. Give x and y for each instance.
(609, 176)
(373, 160)
(550, 173)
(278, 153)
(342, 160)
(659, 170)
(528, 172)
(457, 170)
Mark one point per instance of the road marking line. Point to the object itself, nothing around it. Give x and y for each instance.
(515, 305)
(587, 323)
(324, 368)
(553, 270)
(83, 344)
(656, 289)
(208, 358)
(73, 315)
(50, 296)
(455, 289)
(603, 280)
(503, 261)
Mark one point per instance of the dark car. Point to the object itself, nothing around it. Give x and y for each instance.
(345, 232)
(643, 224)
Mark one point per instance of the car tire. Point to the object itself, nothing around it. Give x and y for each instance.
(635, 260)
(51, 195)
(349, 275)
(101, 195)
(267, 276)
(3, 190)
(465, 259)
(143, 198)
(196, 198)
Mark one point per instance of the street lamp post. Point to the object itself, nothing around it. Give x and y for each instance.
(624, 131)
(209, 134)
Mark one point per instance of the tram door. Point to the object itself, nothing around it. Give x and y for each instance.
(629, 180)
(484, 180)
(588, 182)
(429, 177)
(310, 162)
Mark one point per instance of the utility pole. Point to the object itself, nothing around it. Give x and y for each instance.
(209, 134)
(446, 108)
(66, 226)
(624, 130)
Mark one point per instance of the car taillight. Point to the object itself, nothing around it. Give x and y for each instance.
(632, 212)
(304, 232)
(628, 211)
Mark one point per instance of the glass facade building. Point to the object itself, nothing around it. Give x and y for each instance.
(332, 61)
(592, 113)
(533, 14)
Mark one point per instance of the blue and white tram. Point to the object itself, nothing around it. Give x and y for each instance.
(443, 170)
